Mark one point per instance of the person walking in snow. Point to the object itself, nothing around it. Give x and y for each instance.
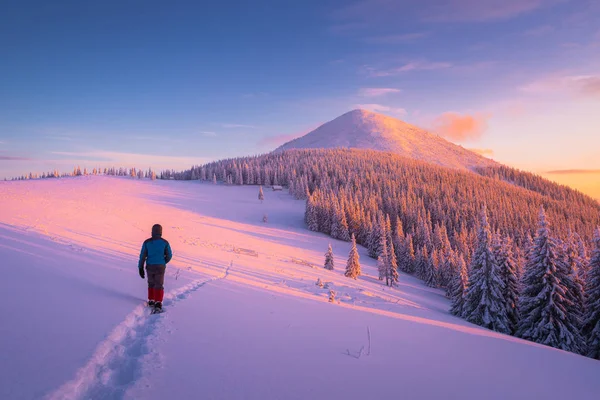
(156, 253)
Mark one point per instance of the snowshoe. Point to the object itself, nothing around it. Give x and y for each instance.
(151, 303)
(157, 308)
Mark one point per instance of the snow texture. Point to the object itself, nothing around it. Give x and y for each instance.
(262, 330)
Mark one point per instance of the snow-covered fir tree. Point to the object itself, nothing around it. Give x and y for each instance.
(432, 269)
(507, 269)
(458, 287)
(382, 259)
(406, 260)
(573, 283)
(329, 263)
(544, 305)
(353, 265)
(591, 327)
(391, 275)
(484, 303)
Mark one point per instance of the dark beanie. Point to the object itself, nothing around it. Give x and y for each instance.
(156, 230)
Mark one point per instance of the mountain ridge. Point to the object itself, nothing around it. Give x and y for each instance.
(362, 129)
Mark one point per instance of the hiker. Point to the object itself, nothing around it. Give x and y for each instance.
(156, 253)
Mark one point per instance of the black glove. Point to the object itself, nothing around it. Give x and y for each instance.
(142, 275)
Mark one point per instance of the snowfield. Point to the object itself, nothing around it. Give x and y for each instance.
(245, 318)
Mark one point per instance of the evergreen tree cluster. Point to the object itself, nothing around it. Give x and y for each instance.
(549, 304)
(77, 171)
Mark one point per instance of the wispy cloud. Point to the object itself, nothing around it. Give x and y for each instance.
(481, 11)
(574, 171)
(579, 85)
(208, 133)
(388, 12)
(396, 39)
(235, 126)
(459, 127)
(376, 92)
(382, 109)
(483, 152)
(408, 67)
(127, 159)
(14, 158)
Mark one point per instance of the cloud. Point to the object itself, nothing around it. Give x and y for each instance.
(13, 158)
(388, 13)
(483, 152)
(574, 171)
(588, 85)
(234, 126)
(578, 85)
(395, 39)
(110, 158)
(375, 92)
(208, 133)
(382, 108)
(480, 11)
(408, 67)
(458, 127)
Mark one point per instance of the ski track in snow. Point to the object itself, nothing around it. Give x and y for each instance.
(117, 362)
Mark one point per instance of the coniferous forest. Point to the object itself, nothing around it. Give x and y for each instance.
(515, 253)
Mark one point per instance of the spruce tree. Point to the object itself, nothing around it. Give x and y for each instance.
(458, 287)
(329, 263)
(382, 259)
(573, 283)
(544, 305)
(391, 276)
(507, 269)
(261, 195)
(484, 302)
(353, 265)
(591, 327)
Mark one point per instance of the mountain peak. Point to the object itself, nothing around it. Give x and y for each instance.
(363, 129)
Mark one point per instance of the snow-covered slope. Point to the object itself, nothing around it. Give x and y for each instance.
(244, 317)
(363, 129)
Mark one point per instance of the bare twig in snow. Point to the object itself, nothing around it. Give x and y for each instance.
(369, 336)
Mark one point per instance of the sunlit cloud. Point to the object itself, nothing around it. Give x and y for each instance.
(459, 127)
(582, 85)
(376, 92)
(382, 109)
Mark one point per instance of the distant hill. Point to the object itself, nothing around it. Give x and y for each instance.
(361, 129)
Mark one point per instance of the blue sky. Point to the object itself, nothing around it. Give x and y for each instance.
(168, 84)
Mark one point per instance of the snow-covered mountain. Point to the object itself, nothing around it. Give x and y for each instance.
(362, 129)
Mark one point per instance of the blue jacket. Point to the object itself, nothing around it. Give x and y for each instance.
(155, 251)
